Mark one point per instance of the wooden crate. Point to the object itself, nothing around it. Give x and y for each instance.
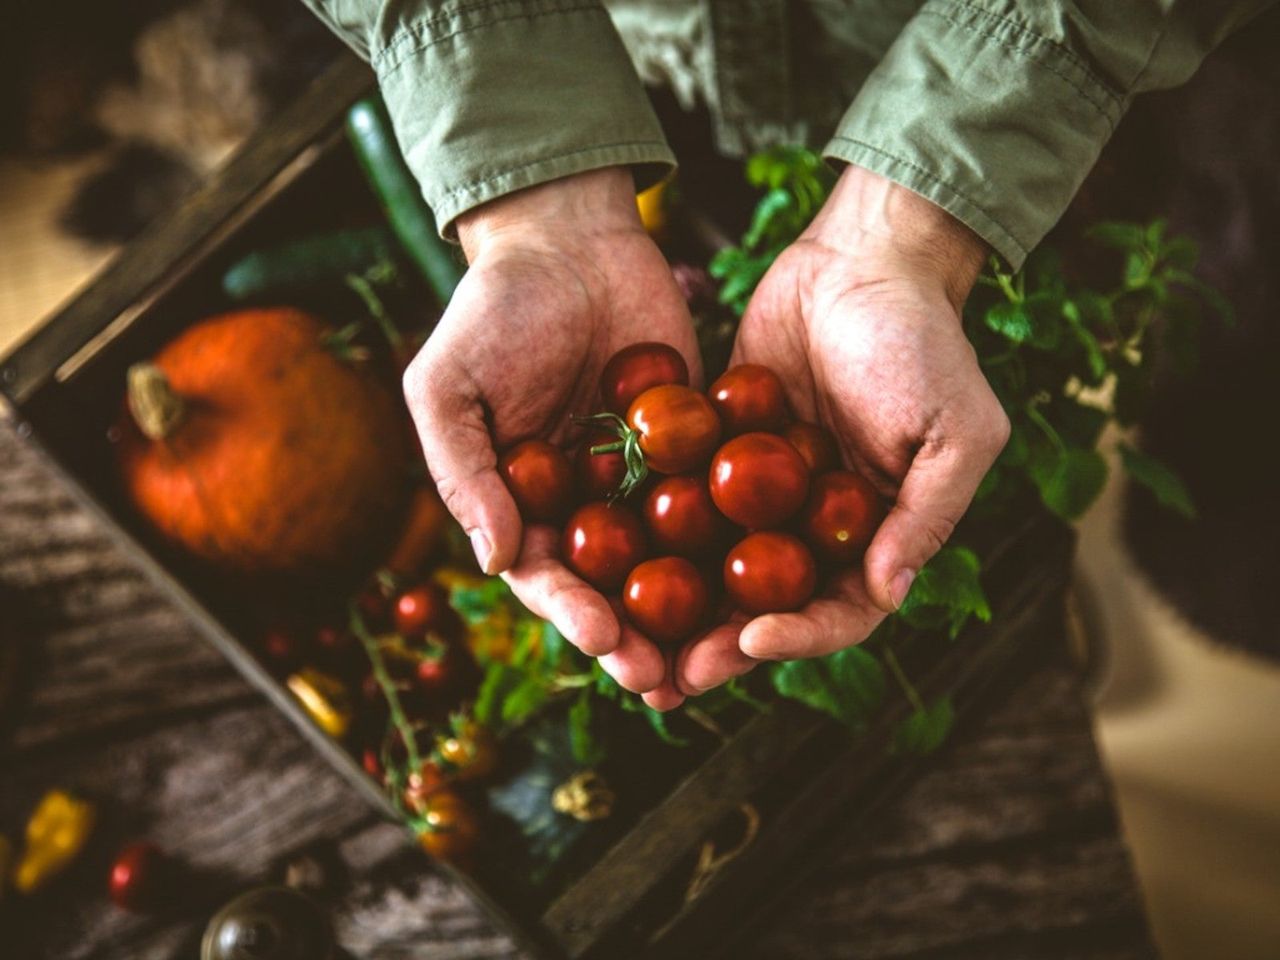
(660, 887)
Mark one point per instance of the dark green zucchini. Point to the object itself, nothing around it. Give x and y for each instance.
(371, 135)
(301, 266)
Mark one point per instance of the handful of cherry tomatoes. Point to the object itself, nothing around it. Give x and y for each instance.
(690, 505)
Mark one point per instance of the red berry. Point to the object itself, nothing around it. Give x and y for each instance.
(139, 878)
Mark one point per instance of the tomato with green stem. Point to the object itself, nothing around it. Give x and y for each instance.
(841, 516)
(540, 480)
(758, 480)
(665, 598)
(598, 475)
(451, 828)
(634, 369)
(749, 397)
(770, 572)
(602, 542)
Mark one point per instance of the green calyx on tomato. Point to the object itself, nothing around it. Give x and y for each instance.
(628, 444)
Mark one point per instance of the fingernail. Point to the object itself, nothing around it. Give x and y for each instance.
(480, 546)
(900, 586)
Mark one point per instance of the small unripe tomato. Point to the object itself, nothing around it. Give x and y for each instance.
(634, 369)
(665, 599)
(816, 446)
(770, 572)
(472, 752)
(758, 480)
(841, 516)
(140, 878)
(540, 480)
(681, 519)
(452, 828)
(601, 543)
(678, 428)
(420, 609)
(749, 397)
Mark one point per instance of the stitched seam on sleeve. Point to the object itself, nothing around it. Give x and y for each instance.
(1066, 52)
(933, 178)
(476, 186)
(419, 37)
(1043, 62)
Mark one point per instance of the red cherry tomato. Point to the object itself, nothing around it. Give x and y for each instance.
(770, 572)
(598, 474)
(841, 516)
(816, 446)
(540, 479)
(634, 369)
(602, 543)
(139, 878)
(665, 598)
(678, 428)
(420, 609)
(749, 397)
(681, 519)
(758, 480)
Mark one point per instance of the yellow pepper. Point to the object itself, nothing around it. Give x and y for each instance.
(652, 207)
(325, 699)
(57, 831)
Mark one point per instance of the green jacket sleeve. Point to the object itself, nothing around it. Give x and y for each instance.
(491, 96)
(996, 109)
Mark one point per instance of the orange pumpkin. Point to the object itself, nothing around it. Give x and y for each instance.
(249, 444)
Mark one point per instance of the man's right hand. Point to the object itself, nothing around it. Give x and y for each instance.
(561, 277)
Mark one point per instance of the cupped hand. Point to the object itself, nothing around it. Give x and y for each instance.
(561, 277)
(860, 318)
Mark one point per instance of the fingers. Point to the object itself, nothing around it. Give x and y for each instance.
(636, 663)
(548, 588)
(845, 615)
(712, 659)
(937, 490)
(665, 696)
(448, 414)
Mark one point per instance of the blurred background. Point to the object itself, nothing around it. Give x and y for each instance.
(110, 113)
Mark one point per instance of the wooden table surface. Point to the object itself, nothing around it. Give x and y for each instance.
(1008, 847)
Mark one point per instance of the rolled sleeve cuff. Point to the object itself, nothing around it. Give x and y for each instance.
(500, 96)
(978, 113)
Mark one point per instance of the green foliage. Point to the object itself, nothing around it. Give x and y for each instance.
(796, 182)
(925, 729)
(1156, 477)
(848, 685)
(946, 592)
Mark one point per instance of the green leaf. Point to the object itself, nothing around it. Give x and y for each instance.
(1155, 233)
(586, 748)
(499, 680)
(1180, 252)
(774, 204)
(1137, 269)
(950, 582)
(1069, 481)
(1118, 236)
(858, 681)
(1092, 349)
(1168, 489)
(1208, 293)
(924, 731)
(848, 685)
(658, 723)
(524, 701)
(1010, 320)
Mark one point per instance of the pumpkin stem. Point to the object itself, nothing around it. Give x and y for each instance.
(156, 408)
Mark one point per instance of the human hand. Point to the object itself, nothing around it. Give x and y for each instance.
(561, 277)
(860, 318)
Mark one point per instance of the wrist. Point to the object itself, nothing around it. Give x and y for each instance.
(868, 215)
(592, 202)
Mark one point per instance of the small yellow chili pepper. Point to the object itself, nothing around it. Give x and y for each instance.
(57, 831)
(652, 206)
(325, 699)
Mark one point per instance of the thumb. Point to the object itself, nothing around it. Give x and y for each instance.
(448, 413)
(938, 488)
